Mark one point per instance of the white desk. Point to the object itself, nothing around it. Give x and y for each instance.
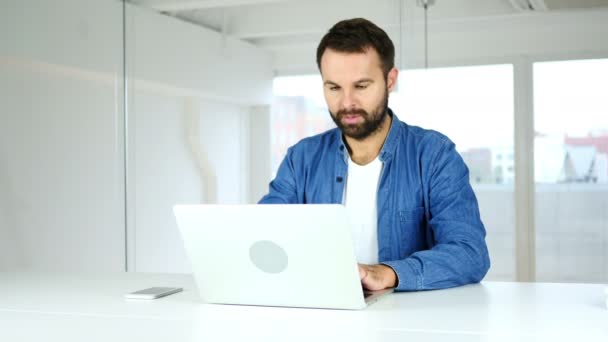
(90, 307)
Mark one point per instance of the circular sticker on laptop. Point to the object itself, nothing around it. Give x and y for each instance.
(268, 256)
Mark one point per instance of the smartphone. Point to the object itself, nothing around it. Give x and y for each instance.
(153, 292)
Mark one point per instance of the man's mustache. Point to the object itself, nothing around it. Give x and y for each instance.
(344, 112)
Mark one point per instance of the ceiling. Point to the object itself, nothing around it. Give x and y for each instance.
(276, 24)
(291, 27)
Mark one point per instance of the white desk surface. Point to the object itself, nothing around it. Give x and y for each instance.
(90, 307)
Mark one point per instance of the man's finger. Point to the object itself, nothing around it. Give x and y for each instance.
(362, 272)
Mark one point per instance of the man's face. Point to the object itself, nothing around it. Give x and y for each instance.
(356, 91)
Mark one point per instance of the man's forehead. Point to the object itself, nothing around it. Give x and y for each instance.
(355, 65)
(366, 53)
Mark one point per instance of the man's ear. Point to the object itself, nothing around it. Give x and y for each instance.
(391, 79)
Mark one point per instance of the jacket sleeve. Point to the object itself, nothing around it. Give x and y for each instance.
(459, 254)
(283, 190)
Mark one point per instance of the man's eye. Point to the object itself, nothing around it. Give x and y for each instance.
(361, 86)
(334, 88)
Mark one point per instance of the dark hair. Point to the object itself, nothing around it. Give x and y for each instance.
(358, 35)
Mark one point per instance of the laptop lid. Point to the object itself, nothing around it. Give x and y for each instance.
(274, 255)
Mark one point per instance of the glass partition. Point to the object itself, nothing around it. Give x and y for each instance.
(61, 135)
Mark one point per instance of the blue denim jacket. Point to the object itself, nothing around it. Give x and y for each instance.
(429, 229)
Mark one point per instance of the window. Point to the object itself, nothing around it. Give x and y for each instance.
(298, 111)
(571, 170)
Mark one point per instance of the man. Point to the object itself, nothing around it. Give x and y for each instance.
(415, 218)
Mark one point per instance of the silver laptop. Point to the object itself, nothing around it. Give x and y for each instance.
(273, 255)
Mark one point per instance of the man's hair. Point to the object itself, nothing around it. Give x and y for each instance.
(358, 35)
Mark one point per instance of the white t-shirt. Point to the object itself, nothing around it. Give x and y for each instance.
(360, 201)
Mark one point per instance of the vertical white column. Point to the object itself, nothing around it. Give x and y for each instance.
(525, 232)
(129, 57)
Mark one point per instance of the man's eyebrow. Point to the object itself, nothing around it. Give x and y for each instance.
(363, 80)
(330, 83)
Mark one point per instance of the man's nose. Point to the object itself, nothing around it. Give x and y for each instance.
(348, 100)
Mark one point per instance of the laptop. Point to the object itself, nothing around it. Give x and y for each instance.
(273, 255)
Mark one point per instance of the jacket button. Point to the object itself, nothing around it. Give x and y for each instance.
(339, 179)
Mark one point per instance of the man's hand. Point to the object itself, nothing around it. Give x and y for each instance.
(377, 277)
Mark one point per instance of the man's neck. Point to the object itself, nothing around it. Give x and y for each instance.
(364, 151)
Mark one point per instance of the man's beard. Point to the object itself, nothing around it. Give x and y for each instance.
(371, 121)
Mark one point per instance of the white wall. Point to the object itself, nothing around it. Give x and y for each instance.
(185, 150)
(61, 133)
(260, 152)
(541, 34)
(61, 204)
(189, 137)
(190, 59)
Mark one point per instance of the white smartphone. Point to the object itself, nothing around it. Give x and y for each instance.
(153, 292)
